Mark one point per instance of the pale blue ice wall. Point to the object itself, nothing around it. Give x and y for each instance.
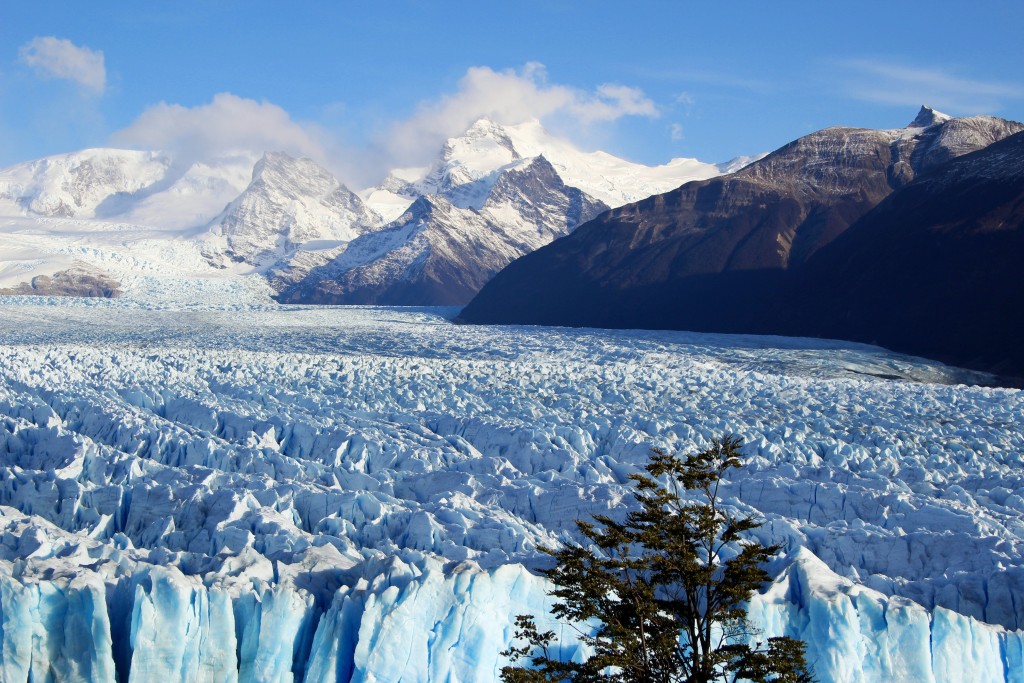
(444, 628)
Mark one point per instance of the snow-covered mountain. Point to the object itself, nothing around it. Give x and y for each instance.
(187, 197)
(606, 177)
(290, 205)
(76, 185)
(146, 188)
(469, 164)
(448, 245)
(494, 193)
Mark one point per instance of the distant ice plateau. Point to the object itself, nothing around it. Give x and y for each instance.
(252, 492)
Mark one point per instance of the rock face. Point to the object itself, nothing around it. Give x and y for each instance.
(716, 255)
(441, 253)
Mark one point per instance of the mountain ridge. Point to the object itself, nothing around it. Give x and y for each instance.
(278, 218)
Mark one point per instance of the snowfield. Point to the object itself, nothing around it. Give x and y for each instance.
(238, 491)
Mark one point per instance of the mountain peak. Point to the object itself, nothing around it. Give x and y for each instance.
(485, 127)
(483, 122)
(928, 117)
(482, 149)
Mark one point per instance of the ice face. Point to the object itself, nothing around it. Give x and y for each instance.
(274, 493)
(453, 626)
(55, 630)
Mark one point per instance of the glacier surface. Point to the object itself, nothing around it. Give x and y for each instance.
(270, 493)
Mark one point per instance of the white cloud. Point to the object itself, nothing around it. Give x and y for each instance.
(676, 131)
(230, 123)
(57, 58)
(227, 124)
(614, 101)
(686, 99)
(887, 83)
(509, 96)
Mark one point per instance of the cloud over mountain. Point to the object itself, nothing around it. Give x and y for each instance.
(508, 96)
(231, 123)
(228, 123)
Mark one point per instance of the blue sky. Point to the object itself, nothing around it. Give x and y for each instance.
(365, 85)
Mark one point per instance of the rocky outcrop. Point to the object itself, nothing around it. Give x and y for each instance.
(70, 282)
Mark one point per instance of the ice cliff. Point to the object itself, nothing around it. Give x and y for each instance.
(440, 626)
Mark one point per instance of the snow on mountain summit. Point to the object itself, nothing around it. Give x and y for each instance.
(441, 251)
(613, 180)
(275, 217)
(468, 165)
(484, 148)
(147, 188)
(75, 185)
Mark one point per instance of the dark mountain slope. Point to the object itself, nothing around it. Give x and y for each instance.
(696, 257)
(933, 270)
(770, 249)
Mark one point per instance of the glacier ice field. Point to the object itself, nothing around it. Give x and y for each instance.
(272, 493)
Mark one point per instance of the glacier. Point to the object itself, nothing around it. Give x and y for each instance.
(254, 492)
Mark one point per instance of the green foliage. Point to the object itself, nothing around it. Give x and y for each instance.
(666, 589)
